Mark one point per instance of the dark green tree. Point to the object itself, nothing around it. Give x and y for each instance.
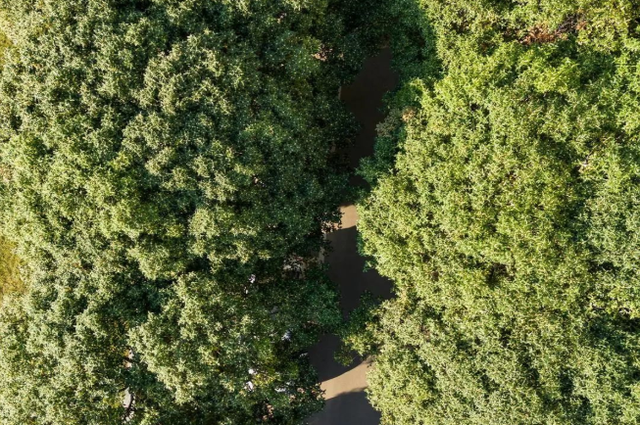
(167, 170)
(506, 208)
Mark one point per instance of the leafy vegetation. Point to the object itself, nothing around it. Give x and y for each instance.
(10, 282)
(168, 168)
(505, 207)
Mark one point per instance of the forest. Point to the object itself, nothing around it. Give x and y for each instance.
(169, 171)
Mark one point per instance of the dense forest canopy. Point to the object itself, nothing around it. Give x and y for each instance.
(167, 170)
(505, 206)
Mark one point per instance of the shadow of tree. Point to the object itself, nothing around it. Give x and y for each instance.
(364, 97)
(346, 269)
(347, 409)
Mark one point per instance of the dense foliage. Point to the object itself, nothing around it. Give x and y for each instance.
(10, 282)
(506, 208)
(166, 172)
(9, 263)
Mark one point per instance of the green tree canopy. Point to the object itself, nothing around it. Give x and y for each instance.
(167, 170)
(506, 208)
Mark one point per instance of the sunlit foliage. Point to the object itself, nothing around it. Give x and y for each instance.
(506, 208)
(167, 170)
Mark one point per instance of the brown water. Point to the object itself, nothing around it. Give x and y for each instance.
(344, 386)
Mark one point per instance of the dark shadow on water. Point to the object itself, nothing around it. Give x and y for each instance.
(347, 409)
(322, 358)
(364, 98)
(346, 268)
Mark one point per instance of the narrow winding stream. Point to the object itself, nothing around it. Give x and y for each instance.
(344, 386)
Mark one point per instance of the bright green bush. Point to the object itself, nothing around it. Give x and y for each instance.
(9, 264)
(506, 208)
(10, 282)
(167, 165)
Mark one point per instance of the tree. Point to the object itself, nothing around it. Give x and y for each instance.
(505, 208)
(169, 170)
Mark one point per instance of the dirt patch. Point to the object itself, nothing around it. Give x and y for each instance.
(541, 33)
